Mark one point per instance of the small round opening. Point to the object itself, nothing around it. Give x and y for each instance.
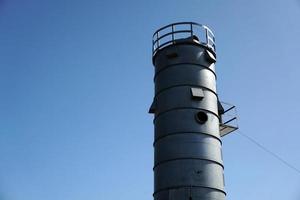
(201, 117)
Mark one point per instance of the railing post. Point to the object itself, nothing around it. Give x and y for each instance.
(175, 34)
(153, 46)
(206, 33)
(157, 40)
(172, 33)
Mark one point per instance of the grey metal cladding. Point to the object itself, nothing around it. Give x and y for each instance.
(185, 53)
(187, 146)
(209, 194)
(183, 121)
(188, 193)
(180, 193)
(180, 97)
(185, 74)
(197, 173)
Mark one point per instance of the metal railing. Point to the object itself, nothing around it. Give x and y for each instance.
(168, 35)
(229, 119)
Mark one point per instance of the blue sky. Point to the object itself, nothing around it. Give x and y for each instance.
(76, 83)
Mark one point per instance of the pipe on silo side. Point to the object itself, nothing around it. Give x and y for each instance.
(188, 159)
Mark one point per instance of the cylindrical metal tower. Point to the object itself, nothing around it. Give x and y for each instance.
(188, 158)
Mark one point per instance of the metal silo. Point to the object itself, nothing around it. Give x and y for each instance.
(187, 115)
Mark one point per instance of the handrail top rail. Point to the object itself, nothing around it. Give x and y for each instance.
(170, 34)
(183, 23)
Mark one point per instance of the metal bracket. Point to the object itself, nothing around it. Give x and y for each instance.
(228, 119)
(197, 93)
(152, 107)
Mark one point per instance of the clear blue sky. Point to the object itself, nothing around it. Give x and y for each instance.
(76, 84)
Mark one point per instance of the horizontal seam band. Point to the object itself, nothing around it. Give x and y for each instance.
(184, 85)
(188, 186)
(184, 108)
(183, 63)
(187, 132)
(187, 158)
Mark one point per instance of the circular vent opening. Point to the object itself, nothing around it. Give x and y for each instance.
(201, 117)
